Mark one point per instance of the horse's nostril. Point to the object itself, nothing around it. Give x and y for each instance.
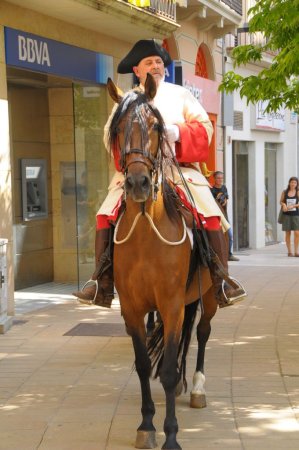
(129, 181)
(144, 182)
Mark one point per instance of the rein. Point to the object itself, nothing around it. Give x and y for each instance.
(153, 226)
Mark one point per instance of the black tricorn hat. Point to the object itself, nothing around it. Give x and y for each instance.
(143, 49)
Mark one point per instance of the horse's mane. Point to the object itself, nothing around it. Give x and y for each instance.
(135, 106)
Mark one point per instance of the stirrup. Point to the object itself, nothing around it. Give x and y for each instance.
(90, 302)
(232, 300)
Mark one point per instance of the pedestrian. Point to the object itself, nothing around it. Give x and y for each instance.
(189, 132)
(289, 202)
(219, 191)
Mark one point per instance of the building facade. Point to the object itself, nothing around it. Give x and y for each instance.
(261, 153)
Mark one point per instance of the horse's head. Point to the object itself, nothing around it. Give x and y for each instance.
(136, 133)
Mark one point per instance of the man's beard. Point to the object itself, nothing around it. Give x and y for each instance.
(158, 77)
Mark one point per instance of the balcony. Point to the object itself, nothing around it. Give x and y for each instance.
(219, 16)
(236, 5)
(162, 8)
(116, 18)
(244, 37)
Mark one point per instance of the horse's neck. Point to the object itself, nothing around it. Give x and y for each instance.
(157, 212)
(134, 208)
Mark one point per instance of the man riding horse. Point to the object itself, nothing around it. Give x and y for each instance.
(189, 132)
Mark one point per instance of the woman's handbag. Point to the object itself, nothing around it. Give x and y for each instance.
(280, 216)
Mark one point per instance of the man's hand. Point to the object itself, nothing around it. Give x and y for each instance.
(172, 133)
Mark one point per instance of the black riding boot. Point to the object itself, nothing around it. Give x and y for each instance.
(99, 290)
(228, 292)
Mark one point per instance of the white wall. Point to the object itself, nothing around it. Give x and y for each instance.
(287, 160)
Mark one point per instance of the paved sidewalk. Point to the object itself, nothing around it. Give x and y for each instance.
(76, 392)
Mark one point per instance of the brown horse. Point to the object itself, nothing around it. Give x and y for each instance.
(151, 262)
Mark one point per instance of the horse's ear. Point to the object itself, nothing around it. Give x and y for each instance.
(150, 87)
(115, 93)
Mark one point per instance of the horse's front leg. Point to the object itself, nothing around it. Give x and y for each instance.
(203, 331)
(169, 378)
(146, 431)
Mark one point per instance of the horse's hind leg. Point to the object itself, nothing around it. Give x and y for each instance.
(203, 331)
(146, 431)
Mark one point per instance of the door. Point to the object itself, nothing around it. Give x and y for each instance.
(91, 169)
(271, 212)
(240, 195)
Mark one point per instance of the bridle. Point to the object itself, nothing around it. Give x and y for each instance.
(145, 157)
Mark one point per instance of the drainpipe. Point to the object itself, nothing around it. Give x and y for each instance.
(224, 58)
(227, 120)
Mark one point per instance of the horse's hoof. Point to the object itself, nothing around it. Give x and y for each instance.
(146, 439)
(198, 401)
(179, 388)
(177, 447)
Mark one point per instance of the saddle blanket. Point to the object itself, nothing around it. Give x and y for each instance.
(206, 206)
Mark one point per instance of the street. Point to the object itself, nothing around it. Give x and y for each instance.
(64, 389)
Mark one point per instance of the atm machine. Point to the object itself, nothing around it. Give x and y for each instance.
(34, 189)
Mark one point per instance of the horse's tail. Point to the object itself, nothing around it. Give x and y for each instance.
(155, 344)
(189, 319)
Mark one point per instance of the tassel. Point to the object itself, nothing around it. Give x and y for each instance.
(205, 171)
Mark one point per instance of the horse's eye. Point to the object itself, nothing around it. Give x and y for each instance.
(157, 127)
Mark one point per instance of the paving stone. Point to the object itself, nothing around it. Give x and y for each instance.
(62, 392)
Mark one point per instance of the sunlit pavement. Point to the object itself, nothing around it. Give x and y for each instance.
(64, 392)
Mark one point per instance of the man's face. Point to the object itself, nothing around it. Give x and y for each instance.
(153, 65)
(219, 180)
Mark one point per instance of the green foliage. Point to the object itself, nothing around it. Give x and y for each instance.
(278, 21)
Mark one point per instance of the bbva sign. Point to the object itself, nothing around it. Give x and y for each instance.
(33, 51)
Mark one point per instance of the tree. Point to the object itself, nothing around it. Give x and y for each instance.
(278, 21)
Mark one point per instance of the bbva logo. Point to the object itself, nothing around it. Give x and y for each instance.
(33, 51)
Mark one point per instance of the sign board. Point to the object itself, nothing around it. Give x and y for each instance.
(170, 73)
(293, 117)
(40, 54)
(204, 90)
(274, 121)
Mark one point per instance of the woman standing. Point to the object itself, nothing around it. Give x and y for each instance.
(289, 201)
